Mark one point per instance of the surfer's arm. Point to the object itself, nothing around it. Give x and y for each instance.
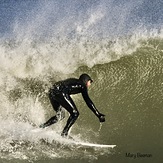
(91, 105)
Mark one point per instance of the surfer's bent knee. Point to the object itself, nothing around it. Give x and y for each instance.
(75, 114)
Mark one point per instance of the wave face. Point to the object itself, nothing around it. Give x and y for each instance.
(121, 51)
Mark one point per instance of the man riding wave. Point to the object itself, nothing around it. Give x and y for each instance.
(60, 99)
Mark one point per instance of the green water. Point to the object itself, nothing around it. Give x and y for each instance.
(129, 91)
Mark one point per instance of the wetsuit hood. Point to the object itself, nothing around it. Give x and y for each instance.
(85, 78)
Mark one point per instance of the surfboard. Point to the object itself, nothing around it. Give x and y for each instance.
(94, 145)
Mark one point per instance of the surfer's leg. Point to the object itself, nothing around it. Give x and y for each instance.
(60, 113)
(59, 116)
(69, 105)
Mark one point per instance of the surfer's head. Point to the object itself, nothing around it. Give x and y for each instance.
(86, 79)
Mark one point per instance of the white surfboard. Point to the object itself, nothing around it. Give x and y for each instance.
(94, 145)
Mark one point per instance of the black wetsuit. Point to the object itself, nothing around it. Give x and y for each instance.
(59, 96)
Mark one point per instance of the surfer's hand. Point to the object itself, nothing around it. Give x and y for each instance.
(101, 117)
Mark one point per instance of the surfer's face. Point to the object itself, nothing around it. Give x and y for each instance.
(89, 83)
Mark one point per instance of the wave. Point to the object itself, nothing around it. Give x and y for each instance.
(38, 58)
(127, 74)
(126, 68)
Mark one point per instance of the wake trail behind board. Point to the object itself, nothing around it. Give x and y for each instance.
(57, 138)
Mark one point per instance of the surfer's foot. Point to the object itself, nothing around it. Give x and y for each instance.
(42, 126)
(68, 137)
(65, 135)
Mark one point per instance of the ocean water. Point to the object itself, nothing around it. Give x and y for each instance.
(44, 42)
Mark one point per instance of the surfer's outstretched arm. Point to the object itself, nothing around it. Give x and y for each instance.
(91, 105)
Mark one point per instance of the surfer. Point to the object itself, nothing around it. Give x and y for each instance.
(59, 96)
